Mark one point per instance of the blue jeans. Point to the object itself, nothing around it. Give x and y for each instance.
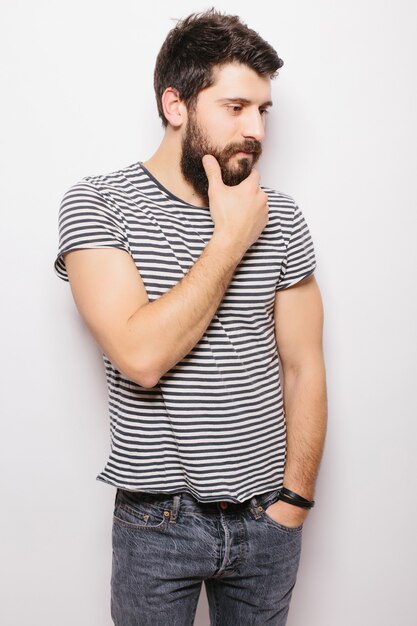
(165, 546)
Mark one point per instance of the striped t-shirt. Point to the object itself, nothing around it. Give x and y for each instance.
(214, 425)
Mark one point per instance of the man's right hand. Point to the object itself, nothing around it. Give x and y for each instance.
(240, 212)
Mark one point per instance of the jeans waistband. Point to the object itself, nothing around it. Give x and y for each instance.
(187, 501)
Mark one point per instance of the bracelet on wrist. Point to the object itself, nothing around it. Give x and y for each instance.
(290, 497)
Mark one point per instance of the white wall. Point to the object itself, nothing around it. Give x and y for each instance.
(77, 99)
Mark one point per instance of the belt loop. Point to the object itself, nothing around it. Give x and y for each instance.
(254, 507)
(175, 508)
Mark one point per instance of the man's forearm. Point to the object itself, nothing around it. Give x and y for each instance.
(149, 338)
(305, 401)
(162, 332)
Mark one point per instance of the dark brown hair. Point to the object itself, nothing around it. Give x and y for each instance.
(202, 41)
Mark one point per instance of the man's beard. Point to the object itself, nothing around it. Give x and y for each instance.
(195, 145)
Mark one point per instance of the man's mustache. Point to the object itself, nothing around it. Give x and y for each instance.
(249, 145)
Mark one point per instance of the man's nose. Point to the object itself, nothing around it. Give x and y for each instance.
(254, 127)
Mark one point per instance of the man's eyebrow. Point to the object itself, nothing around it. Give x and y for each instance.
(244, 101)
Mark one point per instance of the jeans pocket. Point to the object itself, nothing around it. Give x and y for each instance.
(279, 526)
(271, 498)
(131, 512)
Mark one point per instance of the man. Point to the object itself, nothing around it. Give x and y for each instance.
(195, 282)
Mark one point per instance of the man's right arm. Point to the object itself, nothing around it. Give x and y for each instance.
(146, 339)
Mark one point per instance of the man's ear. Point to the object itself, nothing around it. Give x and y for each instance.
(174, 109)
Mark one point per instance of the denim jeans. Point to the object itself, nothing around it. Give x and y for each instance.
(165, 546)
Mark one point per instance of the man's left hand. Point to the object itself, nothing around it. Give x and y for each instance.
(287, 514)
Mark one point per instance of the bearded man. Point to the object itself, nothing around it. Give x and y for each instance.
(197, 284)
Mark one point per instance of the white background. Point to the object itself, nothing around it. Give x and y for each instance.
(77, 99)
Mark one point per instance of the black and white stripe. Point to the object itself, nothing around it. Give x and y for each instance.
(214, 424)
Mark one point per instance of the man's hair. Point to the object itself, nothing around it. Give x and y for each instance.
(202, 41)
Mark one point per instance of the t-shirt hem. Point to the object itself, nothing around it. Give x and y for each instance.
(216, 498)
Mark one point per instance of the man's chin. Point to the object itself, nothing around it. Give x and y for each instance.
(235, 175)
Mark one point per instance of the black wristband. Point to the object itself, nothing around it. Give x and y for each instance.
(290, 497)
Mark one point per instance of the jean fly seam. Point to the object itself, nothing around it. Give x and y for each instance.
(227, 538)
(242, 545)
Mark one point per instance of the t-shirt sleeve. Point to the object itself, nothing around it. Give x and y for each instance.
(300, 260)
(87, 219)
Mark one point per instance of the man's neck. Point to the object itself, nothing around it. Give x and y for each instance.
(164, 165)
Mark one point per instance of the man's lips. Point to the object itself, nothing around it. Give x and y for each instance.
(243, 154)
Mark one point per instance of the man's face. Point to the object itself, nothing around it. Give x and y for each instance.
(228, 122)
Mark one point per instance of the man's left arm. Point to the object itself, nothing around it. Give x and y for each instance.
(299, 332)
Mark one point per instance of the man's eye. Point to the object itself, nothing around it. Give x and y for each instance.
(263, 111)
(234, 108)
